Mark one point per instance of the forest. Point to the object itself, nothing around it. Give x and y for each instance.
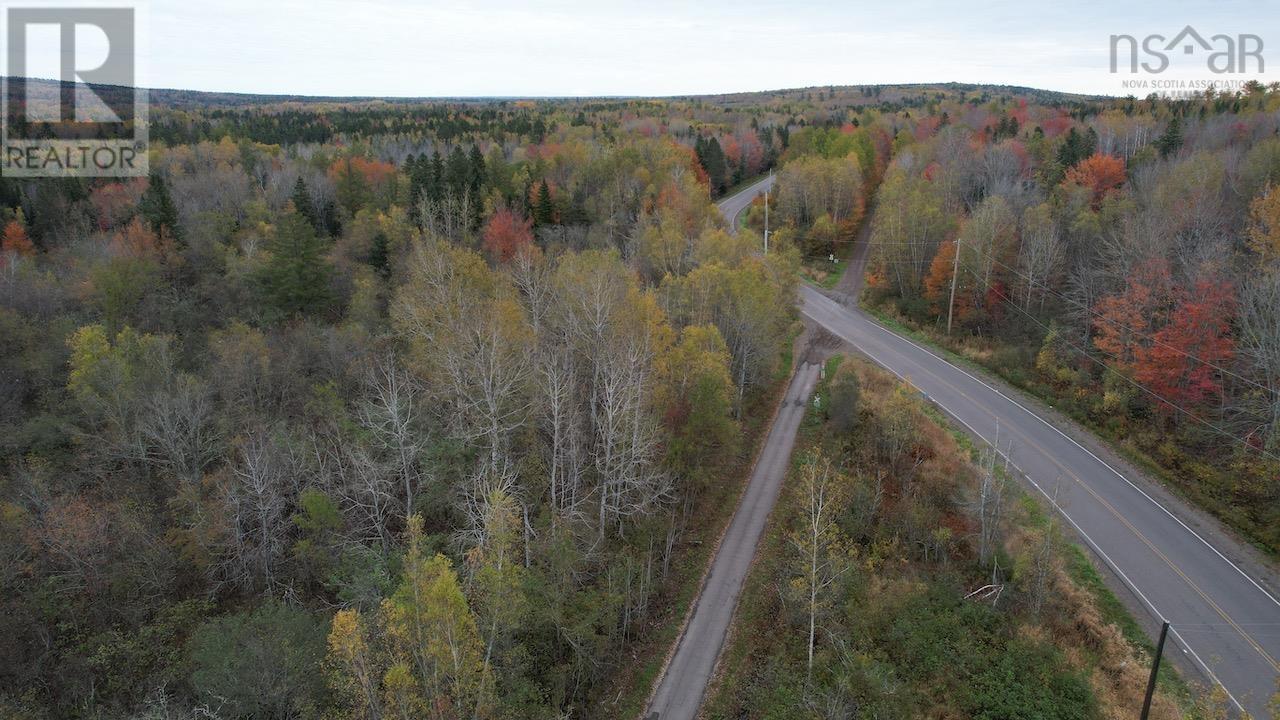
(374, 410)
(427, 409)
(913, 578)
(1119, 260)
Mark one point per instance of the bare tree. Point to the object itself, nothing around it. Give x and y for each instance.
(1260, 347)
(989, 506)
(1040, 255)
(178, 425)
(392, 412)
(256, 506)
(817, 540)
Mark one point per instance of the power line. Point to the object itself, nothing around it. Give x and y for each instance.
(1127, 379)
(1100, 316)
(1133, 330)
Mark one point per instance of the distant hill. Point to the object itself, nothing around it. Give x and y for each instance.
(843, 94)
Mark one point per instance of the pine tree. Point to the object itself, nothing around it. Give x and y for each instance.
(157, 209)
(1069, 152)
(302, 203)
(477, 177)
(378, 255)
(713, 162)
(544, 210)
(435, 181)
(330, 220)
(351, 187)
(296, 276)
(457, 172)
(1171, 141)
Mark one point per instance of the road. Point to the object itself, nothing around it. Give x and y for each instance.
(684, 681)
(1167, 558)
(731, 207)
(1181, 566)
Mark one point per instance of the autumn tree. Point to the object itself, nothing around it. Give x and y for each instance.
(506, 234)
(697, 398)
(1123, 322)
(909, 227)
(497, 575)
(469, 335)
(1182, 361)
(422, 656)
(1264, 225)
(436, 667)
(822, 552)
(746, 303)
(14, 238)
(1100, 173)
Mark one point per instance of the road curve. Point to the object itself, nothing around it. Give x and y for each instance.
(732, 206)
(1225, 616)
(684, 681)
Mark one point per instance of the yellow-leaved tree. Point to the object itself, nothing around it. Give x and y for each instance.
(424, 659)
(1264, 225)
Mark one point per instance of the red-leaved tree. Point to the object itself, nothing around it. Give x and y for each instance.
(1124, 322)
(506, 234)
(1100, 173)
(1182, 362)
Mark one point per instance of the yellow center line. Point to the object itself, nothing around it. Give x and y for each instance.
(1110, 508)
(1172, 565)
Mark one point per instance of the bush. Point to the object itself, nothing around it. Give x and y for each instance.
(842, 410)
(265, 663)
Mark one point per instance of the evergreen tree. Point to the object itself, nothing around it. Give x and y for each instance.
(303, 204)
(352, 188)
(457, 172)
(1171, 141)
(330, 219)
(296, 276)
(157, 209)
(1069, 152)
(477, 177)
(378, 255)
(1089, 145)
(714, 164)
(435, 178)
(544, 209)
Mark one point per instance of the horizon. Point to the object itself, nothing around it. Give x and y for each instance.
(798, 88)
(571, 48)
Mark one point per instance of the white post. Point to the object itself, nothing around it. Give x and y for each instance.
(766, 216)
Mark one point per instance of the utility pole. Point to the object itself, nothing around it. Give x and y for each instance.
(766, 213)
(955, 272)
(1155, 668)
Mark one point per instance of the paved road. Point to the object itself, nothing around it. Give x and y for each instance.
(733, 206)
(1221, 603)
(1220, 597)
(679, 693)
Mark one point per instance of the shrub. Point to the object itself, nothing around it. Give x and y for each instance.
(264, 663)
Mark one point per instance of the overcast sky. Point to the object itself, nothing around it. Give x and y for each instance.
(580, 47)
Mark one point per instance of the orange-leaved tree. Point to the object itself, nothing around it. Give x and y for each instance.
(1124, 322)
(1184, 360)
(506, 234)
(1100, 173)
(14, 239)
